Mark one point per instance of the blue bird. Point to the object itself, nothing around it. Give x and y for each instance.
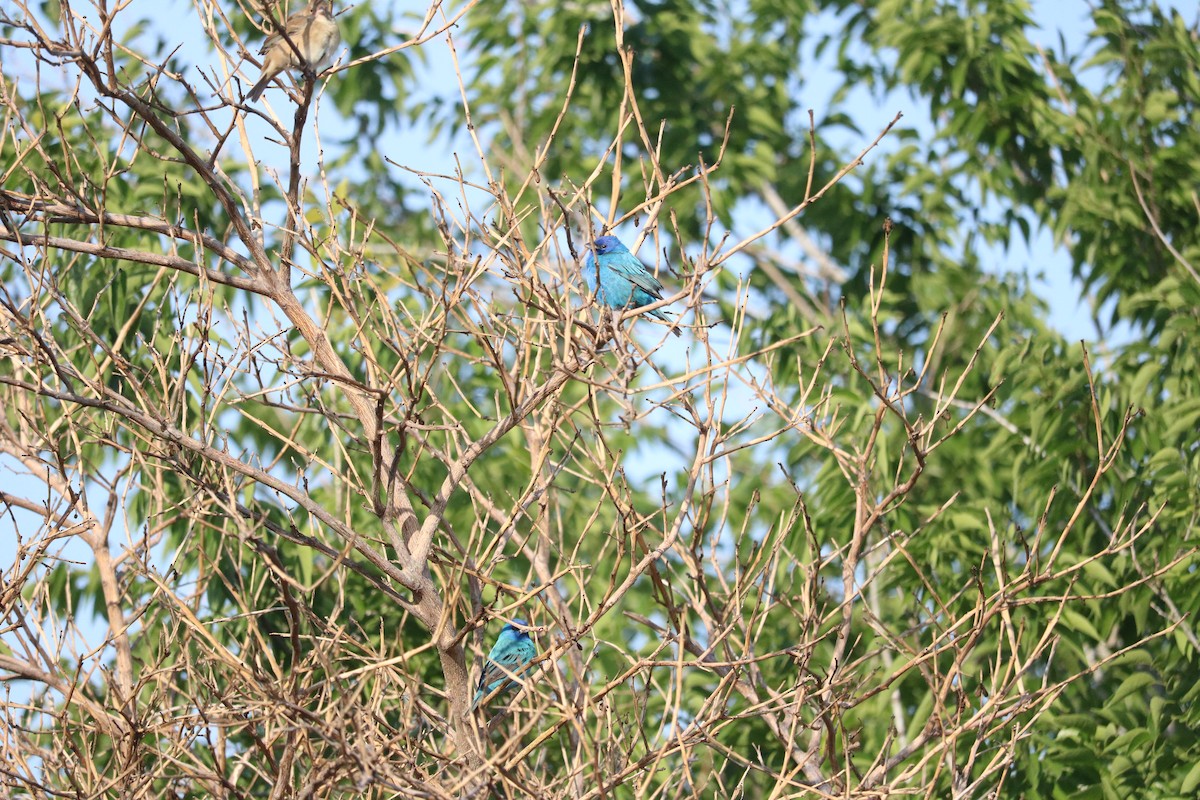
(510, 656)
(619, 280)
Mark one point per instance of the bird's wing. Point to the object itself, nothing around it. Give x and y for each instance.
(297, 24)
(500, 665)
(528, 651)
(631, 268)
(294, 25)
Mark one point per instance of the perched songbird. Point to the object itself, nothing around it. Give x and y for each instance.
(509, 657)
(618, 279)
(309, 39)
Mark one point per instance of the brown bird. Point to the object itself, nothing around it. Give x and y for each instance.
(309, 39)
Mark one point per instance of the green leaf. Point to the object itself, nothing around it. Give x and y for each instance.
(1191, 781)
(1076, 621)
(1134, 683)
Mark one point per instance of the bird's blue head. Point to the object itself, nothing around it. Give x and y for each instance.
(511, 629)
(607, 244)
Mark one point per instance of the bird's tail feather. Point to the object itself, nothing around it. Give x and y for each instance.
(665, 317)
(257, 90)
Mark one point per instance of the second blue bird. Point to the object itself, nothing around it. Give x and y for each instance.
(619, 280)
(509, 656)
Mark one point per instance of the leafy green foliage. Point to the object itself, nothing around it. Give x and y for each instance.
(924, 517)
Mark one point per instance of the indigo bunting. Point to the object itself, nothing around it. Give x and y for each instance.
(311, 38)
(510, 655)
(619, 280)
